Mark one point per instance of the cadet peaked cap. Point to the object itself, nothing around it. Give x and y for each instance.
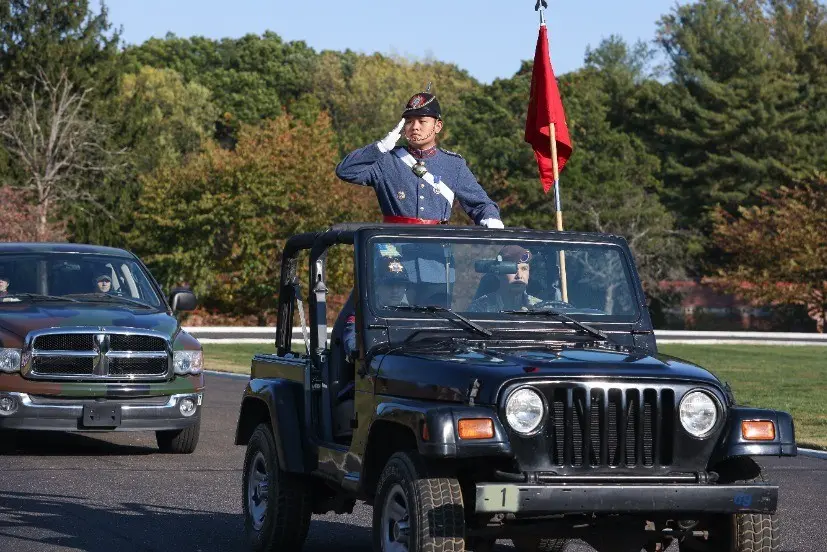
(515, 253)
(103, 278)
(423, 105)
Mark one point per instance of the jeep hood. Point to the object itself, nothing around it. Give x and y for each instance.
(447, 375)
(17, 321)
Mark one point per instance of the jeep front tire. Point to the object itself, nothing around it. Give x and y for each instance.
(276, 504)
(416, 510)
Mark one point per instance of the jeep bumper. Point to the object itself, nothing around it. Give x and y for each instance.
(28, 412)
(622, 499)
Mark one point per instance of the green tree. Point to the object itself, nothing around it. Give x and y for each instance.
(365, 95)
(251, 78)
(159, 121)
(56, 37)
(220, 221)
(735, 119)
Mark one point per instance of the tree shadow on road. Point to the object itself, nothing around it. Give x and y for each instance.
(30, 521)
(57, 443)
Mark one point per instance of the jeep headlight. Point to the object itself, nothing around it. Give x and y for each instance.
(698, 413)
(524, 410)
(9, 360)
(187, 362)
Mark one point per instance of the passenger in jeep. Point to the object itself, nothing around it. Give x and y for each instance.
(4, 286)
(511, 293)
(392, 283)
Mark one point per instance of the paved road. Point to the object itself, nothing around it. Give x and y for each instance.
(115, 492)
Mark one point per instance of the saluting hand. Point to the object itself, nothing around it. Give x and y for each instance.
(388, 142)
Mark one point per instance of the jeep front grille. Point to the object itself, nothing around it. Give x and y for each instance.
(606, 427)
(97, 354)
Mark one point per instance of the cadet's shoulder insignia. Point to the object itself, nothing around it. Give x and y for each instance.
(452, 153)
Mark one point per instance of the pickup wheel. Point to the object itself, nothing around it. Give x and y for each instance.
(276, 504)
(416, 510)
(180, 441)
(538, 544)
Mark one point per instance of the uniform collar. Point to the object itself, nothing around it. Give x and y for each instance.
(422, 154)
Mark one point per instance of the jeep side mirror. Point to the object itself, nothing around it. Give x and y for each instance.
(182, 299)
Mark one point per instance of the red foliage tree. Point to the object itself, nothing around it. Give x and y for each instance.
(777, 251)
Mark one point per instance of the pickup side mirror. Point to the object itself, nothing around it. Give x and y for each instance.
(182, 299)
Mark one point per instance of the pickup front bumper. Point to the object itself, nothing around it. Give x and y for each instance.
(625, 499)
(31, 412)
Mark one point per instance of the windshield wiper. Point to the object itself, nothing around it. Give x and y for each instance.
(105, 297)
(453, 316)
(549, 312)
(41, 297)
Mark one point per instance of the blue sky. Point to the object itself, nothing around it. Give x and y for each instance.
(487, 38)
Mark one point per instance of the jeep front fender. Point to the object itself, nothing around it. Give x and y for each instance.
(732, 442)
(435, 427)
(281, 403)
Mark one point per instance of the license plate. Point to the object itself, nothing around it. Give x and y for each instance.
(101, 415)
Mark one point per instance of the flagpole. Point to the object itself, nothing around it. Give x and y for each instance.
(541, 6)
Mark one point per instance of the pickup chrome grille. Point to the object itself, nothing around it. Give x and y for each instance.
(96, 354)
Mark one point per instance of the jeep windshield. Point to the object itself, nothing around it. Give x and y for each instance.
(500, 279)
(51, 277)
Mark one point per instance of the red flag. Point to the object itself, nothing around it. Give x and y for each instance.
(545, 107)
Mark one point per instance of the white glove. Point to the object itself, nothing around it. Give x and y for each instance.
(492, 223)
(388, 142)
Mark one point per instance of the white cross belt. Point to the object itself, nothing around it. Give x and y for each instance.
(440, 187)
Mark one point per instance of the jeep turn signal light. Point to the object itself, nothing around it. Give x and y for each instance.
(758, 430)
(476, 428)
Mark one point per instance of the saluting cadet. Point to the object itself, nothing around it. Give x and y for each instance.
(417, 184)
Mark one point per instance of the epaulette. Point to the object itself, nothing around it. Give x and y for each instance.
(449, 152)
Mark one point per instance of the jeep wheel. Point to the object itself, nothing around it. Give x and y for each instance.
(416, 510)
(740, 532)
(538, 544)
(276, 504)
(180, 441)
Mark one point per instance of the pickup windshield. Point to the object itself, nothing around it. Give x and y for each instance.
(75, 278)
(494, 278)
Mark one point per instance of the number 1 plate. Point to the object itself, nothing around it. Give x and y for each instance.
(499, 498)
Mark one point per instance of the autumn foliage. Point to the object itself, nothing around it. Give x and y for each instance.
(19, 219)
(219, 222)
(777, 252)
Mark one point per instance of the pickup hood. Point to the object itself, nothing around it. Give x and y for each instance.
(17, 321)
(447, 375)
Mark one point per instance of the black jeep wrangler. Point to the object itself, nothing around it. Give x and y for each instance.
(484, 384)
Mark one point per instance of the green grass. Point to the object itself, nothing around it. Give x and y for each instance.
(788, 378)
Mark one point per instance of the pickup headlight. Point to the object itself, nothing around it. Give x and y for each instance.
(524, 410)
(698, 413)
(187, 362)
(10, 360)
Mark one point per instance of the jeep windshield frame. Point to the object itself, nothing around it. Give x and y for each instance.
(387, 326)
(381, 329)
